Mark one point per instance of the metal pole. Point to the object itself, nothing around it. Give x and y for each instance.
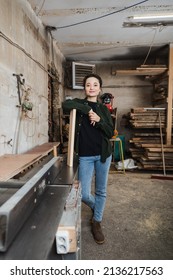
(161, 138)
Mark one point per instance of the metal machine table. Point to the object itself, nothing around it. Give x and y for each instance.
(36, 238)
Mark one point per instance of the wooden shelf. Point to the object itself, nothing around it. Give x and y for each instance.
(140, 72)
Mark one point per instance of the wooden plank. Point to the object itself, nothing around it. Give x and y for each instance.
(159, 167)
(170, 96)
(144, 120)
(155, 70)
(161, 177)
(149, 109)
(146, 134)
(43, 149)
(11, 165)
(155, 145)
(147, 113)
(160, 66)
(155, 165)
(142, 141)
(167, 158)
(70, 154)
(170, 150)
(148, 118)
(139, 72)
(146, 125)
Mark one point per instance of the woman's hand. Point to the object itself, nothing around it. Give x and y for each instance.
(93, 117)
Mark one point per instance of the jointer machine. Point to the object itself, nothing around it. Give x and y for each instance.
(40, 213)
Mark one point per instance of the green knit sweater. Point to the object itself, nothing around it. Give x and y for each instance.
(105, 125)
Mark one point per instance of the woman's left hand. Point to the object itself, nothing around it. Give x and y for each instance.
(93, 117)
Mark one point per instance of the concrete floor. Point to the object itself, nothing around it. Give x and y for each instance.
(137, 223)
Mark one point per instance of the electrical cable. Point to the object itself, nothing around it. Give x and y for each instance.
(25, 52)
(106, 15)
(26, 126)
(150, 47)
(40, 7)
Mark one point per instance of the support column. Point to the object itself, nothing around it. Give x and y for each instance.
(170, 97)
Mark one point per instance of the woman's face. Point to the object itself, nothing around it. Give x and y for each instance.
(92, 87)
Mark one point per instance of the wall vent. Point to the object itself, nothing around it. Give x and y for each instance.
(79, 71)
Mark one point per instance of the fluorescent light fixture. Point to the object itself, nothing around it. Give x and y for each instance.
(156, 17)
(150, 20)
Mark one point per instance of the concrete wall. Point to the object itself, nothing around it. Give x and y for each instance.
(128, 91)
(25, 48)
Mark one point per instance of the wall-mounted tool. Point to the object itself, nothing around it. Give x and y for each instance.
(27, 106)
(19, 83)
(9, 142)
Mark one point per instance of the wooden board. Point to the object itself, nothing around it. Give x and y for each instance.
(13, 164)
(161, 177)
(154, 145)
(140, 72)
(169, 149)
(149, 109)
(170, 97)
(71, 138)
(43, 149)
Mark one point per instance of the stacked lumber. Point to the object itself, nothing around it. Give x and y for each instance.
(147, 117)
(146, 148)
(152, 158)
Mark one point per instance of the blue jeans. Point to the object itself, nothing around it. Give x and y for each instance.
(88, 166)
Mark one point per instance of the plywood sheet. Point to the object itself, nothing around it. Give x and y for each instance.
(10, 165)
(13, 164)
(43, 149)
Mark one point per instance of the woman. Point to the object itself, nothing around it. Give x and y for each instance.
(94, 128)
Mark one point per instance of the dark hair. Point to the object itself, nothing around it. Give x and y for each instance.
(94, 76)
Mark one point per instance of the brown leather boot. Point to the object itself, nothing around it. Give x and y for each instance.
(97, 232)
